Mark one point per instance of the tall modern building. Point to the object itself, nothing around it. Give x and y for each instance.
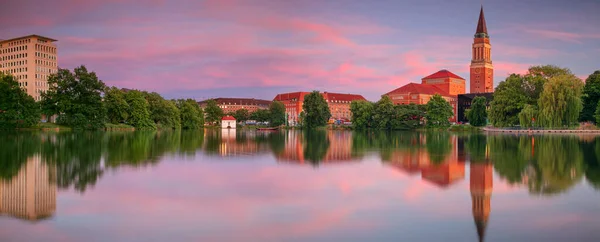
(31, 194)
(482, 70)
(31, 59)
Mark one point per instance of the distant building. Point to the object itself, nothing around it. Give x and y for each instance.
(465, 100)
(445, 83)
(482, 70)
(228, 122)
(230, 105)
(31, 59)
(339, 104)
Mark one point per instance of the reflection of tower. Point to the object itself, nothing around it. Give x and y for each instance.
(31, 194)
(481, 194)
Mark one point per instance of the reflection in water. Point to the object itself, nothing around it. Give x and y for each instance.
(34, 165)
(31, 194)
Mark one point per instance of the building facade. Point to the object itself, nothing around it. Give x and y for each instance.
(339, 104)
(31, 59)
(230, 105)
(482, 70)
(465, 100)
(445, 83)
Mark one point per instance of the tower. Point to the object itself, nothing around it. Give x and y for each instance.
(481, 184)
(482, 70)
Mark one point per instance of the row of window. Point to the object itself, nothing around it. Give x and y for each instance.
(18, 42)
(44, 48)
(45, 70)
(46, 63)
(14, 63)
(44, 55)
(13, 49)
(17, 70)
(13, 57)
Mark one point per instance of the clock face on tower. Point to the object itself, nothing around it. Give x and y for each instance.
(477, 70)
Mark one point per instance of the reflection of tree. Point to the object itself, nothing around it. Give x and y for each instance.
(213, 142)
(191, 141)
(276, 142)
(558, 166)
(591, 157)
(316, 144)
(438, 146)
(511, 155)
(477, 147)
(15, 148)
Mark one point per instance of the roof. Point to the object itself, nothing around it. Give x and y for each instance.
(342, 97)
(239, 101)
(443, 74)
(289, 96)
(228, 118)
(481, 26)
(415, 88)
(27, 37)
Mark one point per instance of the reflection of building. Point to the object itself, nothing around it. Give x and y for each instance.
(481, 193)
(339, 148)
(31, 59)
(230, 105)
(232, 145)
(31, 194)
(443, 172)
(339, 104)
(444, 83)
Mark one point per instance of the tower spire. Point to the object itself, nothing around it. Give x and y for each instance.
(481, 27)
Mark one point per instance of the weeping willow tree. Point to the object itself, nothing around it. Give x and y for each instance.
(527, 116)
(560, 102)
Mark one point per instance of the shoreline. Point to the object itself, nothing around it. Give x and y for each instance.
(542, 131)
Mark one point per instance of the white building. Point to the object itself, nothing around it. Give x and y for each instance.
(228, 122)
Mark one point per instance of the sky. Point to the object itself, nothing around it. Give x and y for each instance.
(258, 48)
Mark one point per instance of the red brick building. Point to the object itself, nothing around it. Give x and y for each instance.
(339, 104)
(230, 105)
(482, 70)
(444, 83)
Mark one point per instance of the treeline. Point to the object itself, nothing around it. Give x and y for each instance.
(80, 100)
(275, 115)
(384, 115)
(546, 96)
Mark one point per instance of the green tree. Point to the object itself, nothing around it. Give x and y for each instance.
(590, 97)
(509, 99)
(260, 115)
(316, 145)
(241, 115)
(597, 113)
(438, 112)
(139, 110)
(276, 114)
(362, 114)
(477, 115)
(76, 97)
(117, 109)
(383, 113)
(192, 116)
(528, 115)
(213, 112)
(163, 112)
(17, 109)
(408, 116)
(548, 71)
(560, 102)
(316, 110)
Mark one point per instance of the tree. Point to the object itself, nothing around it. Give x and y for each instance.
(117, 109)
(597, 113)
(560, 102)
(362, 114)
(192, 116)
(213, 112)
(17, 109)
(76, 97)
(477, 115)
(383, 113)
(509, 99)
(528, 115)
(260, 115)
(276, 114)
(316, 110)
(408, 116)
(139, 113)
(163, 112)
(241, 115)
(591, 96)
(438, 112)
(548, 71)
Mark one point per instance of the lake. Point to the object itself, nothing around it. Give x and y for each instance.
(223, 185)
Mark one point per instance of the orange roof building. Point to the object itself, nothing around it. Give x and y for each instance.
(339, 104)
(443, 82)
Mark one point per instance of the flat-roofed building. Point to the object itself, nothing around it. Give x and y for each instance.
(230, 105)
(339, 104)
(31, 59)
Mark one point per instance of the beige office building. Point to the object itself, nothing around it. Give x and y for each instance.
(31, 194)
(31, 59)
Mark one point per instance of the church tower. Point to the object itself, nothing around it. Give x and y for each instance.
(482, 71)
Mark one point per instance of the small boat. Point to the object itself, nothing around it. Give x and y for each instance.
(268, 129)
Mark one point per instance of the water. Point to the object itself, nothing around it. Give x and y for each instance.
(294, 186)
